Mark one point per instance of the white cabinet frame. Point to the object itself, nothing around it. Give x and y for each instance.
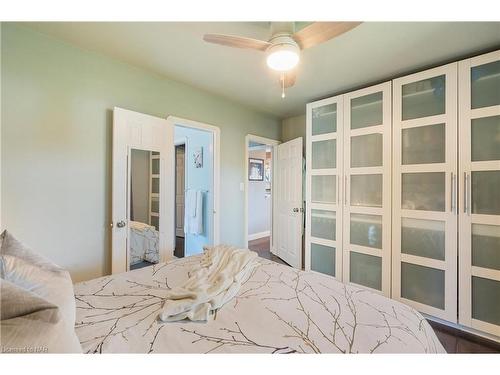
(337, 206)
(467, 218)
(449, 215)
(384, 170)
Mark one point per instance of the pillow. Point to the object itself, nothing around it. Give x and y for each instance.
(30, 324)
(31, 271)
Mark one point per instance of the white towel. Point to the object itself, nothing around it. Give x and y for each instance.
(213, 283)
(193, 219)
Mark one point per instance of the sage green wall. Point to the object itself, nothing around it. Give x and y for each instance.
(57, 103)
(294, 127)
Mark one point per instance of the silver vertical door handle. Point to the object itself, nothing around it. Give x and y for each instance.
(345, 190)
(453, 193)
(338, 186)
(465, 192)
(121, 224)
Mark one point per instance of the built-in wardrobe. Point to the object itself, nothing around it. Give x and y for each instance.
(403, 190)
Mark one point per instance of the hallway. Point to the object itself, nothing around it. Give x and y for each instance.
(262, 247)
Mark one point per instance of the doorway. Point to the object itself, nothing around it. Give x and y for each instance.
(259, 155)
(284, 162)
(180, 186)
(196, 222)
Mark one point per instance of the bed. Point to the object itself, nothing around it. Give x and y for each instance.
(143, 243)
(278, 310)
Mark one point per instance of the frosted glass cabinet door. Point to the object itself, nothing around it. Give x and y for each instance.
(485, 85)
(366, 270)
(422, 284)
(155, 166)
(366, 230)
(324, 119)
(485, 138)
(323, 189)
(324, 154)
(155, 185)
(367, 183)
(367, 110)
(367, 150)
(485, 300)
(424, 144)
(424, 98)
(323, 259)
(486, 246)
(424, 238)
(425, 184)
(323, 192)
(423, 191)
(323, 224)
(485, 192)
(366, 190)
(479, 234)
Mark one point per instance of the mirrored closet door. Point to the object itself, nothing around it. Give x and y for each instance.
(479, 203)
(425, 191)
(367, 187)
(323, 187)
(142, 214)
(143, 208)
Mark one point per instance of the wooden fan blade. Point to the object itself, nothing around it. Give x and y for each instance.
(289, 77)
(319, 32)
(236, 41)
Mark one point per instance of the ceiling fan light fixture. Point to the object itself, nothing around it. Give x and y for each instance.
(283, 56)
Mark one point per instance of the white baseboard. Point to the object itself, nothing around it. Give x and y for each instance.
(256, 236)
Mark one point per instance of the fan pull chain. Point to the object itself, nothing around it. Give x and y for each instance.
(283, 85)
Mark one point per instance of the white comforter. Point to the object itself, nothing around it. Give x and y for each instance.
(143, 243)
(278, 310)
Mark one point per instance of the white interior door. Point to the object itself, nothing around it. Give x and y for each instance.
(288, 202)
(180, 155)
(132, 130)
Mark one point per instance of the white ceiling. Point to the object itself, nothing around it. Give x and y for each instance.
(369, 53)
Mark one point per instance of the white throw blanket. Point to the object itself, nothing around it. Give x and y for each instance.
(213, 283)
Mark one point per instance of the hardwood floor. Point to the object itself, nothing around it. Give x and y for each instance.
(179, 247)
(142, 264)
(262, 247)
(456, 341)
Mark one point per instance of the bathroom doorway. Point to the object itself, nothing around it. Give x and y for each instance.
(180, 187)
(196, 201)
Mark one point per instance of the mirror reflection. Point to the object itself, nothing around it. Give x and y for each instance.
(144, 208)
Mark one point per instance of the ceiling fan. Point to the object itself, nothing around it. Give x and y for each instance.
(283, 48)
